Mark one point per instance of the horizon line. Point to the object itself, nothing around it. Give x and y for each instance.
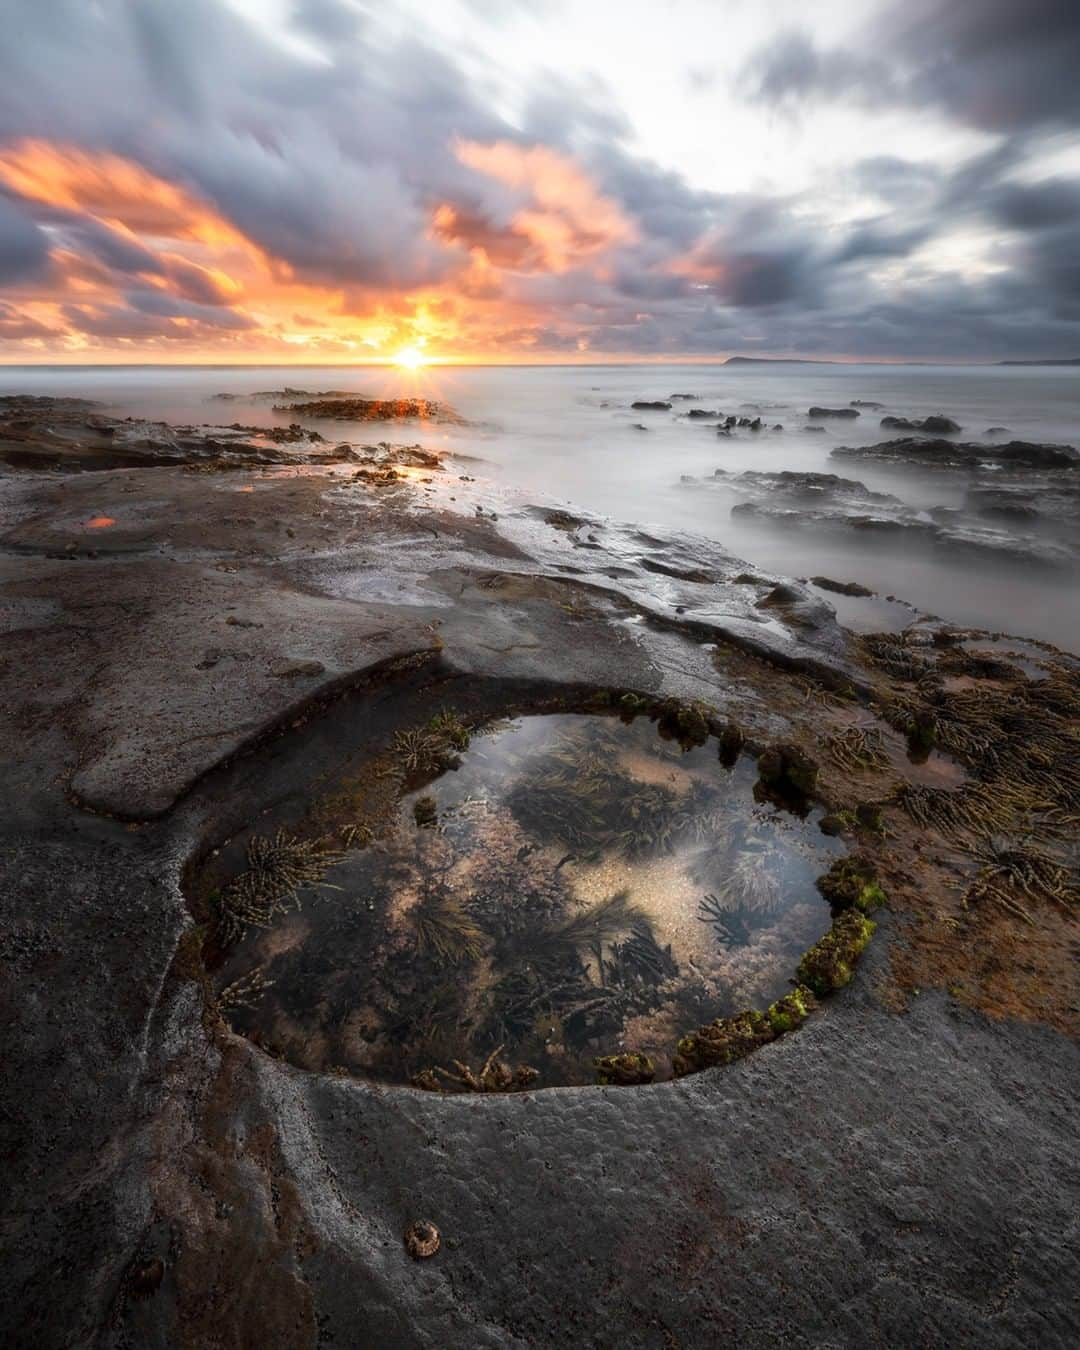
(453, 364)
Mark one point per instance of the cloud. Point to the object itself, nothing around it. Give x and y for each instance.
(332, 177)
(995, 65)
(176, 307)
(556, 206)
(877, 239)
(793, 68)
(23, 246)
(16, 325)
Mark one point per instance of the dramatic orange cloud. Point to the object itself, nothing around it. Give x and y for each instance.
(114, 189)
(567, 218)
(141, 266)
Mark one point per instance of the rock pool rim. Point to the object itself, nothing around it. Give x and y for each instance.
(827, 966)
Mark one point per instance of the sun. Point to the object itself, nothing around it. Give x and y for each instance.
(410, 358)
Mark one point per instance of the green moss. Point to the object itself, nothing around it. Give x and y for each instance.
(829, 964)
(871, 897)
(791, 1011)
(624, 1070)
(722, 1042)
(851, 882)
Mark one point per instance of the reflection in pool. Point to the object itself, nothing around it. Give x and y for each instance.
(578, 886)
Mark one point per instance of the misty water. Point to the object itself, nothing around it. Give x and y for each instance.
(576, 886)
(570, 433)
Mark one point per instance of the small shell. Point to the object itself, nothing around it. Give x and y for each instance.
(421, 1239)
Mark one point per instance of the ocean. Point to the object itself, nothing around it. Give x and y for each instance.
(569, 433)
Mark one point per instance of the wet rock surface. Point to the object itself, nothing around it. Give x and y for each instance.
(941, 454)
(901, 1170)
(986, 526)
(935, 425)
(351, 409)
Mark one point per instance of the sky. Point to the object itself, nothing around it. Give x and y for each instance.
(322, 181)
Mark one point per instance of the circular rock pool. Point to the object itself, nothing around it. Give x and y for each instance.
(540, 892)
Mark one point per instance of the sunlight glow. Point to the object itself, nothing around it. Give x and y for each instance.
(410, 358)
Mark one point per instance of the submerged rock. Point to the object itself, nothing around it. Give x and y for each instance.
(790, 485)
(833, 412)
(653, 405)
(842, 587)
(829, 502)
(964, 454)
(936, 424)
(373, 409)
(787, 771)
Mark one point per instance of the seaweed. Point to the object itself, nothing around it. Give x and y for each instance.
(444, 931)
(447, 725)
(578, 796)
(639, 963)
(791, 1011)
(246, 991)
(891, 654)
(549, 978)
(978, 807)
(626, 1070)
(421, 751)
(733, 924)
(1011, 872)
(494, 1076)
(590, 928)
(855, 747)
(425, 811)
(687, 723)
(278, 866)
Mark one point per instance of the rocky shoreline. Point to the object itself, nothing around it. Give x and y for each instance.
(195, 616)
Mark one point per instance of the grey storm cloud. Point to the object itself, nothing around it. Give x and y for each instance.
(332, 153)
(879, 239)
(117, 251)
(997, 65)
(168, 306)
(23, 246)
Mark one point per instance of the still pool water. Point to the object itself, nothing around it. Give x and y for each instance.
(576, 886)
